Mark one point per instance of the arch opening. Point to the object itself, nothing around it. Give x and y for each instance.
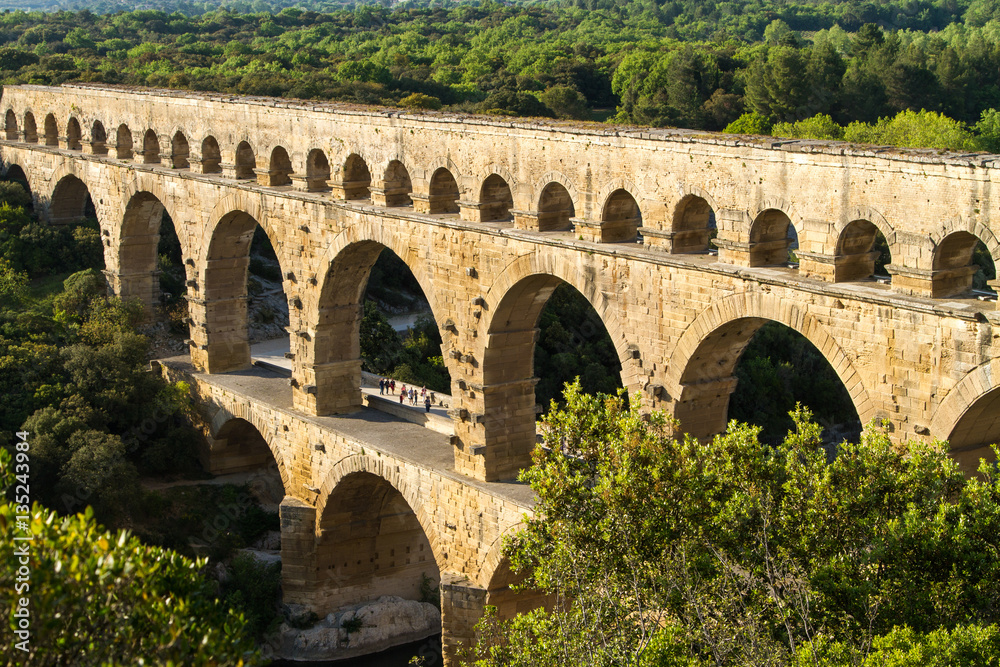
(543, 333)
(317, 171)
(371, 544)
(10, 125)
(70, 202)
(245, 301)
(443, 195)
(555, 209)
(972, 436)
(495, 200)
(73, 135)
(357, 179)
(15, 174)
(962, 263)
(694, 226)
(179, 151)
(238, 446)
(508, 602)
(621, 219)
(374, 313)
(862, 252)
(123, 143)
(279, 170)
(150, 148)
(397, 186)
(773, 239)
(51, 131)
(211, 156)
(148, 257)
(755, 370)
(30, 129)
(98, 139)
(246, 161)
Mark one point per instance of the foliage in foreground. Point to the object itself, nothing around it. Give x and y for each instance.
(666, 551)
(103, 598)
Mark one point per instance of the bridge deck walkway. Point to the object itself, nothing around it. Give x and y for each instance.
(381, 432)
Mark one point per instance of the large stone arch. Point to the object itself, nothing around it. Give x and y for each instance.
(328, 357)
(363, 463)
(702, 402)
(975, 402)
(225, 418)
(10, 160)
(367, 544)
(220, 329)
(505, 427)
(59, 176)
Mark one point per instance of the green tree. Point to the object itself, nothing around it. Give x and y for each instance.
(104, 598)
(734, 552)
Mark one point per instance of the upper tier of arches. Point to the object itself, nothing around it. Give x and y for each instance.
(862, 246)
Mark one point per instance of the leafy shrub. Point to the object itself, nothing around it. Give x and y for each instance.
(253, 590)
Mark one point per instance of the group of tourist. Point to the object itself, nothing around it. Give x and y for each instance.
(388, 386)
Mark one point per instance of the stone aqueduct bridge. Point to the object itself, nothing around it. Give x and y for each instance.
(491, 216)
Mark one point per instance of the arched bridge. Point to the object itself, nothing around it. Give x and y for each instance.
(491, 215)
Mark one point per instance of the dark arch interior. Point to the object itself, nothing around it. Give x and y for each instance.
(357, 178)
(397, 185)
(495, 199)
(862, 252)
(246, 162)
(172, 277)
(372, 544)
(555, 209)
(243, 446)
(443, 192)
(694, 225)
(30, 129)
(962, 263)
(98, 138)
(280, 169)
(51, 131)
(73, 135)
(10, 125)
(179, 151)
(211, 156)
(71, 202)
(755, 371)
(317, 171)
(123, 143)
(150, 148)
(267, 305)
(621, 218)
(773, 239)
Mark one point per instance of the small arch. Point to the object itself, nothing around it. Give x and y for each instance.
(246, 161)
(73, 135)
(123, 143)
(693, 225)
(279, 169)
(150, 148)
(495, 199)
(443, 195)
(211, 156)
(954, 264)
(397, 185)
(10, 125)
(240, 446)
(317, 171)
(51, 131)
(357, 179)
(98, 139)
(555, 208)
(772, 236)
(179, 151)
(620, 219)
(861, 252)
(30, 129)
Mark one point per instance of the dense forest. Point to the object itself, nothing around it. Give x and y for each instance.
(706, 65)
